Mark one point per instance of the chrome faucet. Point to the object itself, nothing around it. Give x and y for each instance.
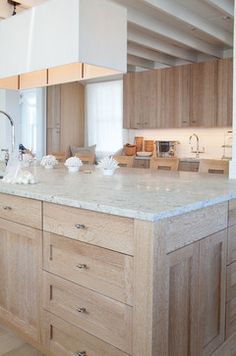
(197, 150)
(12, 129)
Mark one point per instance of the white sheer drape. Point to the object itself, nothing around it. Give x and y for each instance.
(104, 113)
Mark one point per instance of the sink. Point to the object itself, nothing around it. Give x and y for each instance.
(1, 177)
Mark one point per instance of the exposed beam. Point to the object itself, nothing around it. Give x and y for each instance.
(140, 62)
(224, 6)
(158, 27)
(181, 13)
(159, 45)
(146, 53)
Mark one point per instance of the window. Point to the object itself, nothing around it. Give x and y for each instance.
(104, 115)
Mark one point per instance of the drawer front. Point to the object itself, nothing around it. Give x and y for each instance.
(21, 210)
(231, 281)
(231, 317)
(232, 212)
(99, 269)
(63, 339)
(100, 316)
(188, 166)
(104, 230)
(231, 257)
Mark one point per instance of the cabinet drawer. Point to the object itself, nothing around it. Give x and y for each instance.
(101, 316)
(99, 269)
(231, 317)
(231, 281)
(109, 231)
(21, 210)
(63, 339)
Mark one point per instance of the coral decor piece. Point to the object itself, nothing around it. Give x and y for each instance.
(73, 164)
(49, 161)
(108, 165)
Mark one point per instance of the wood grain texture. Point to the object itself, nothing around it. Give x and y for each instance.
(231, 317)
(231, 255)
(212, 266)
(125, 161)
(214, 166)
(225, 92)
(11, 83)
(104, 318)
(20, 265)
(91, 71)
(185, 229)
(33, 79)
(167, 164)
(106, 271)
(232, 212)
(228, 348)
(65, 74)
(203, 96)
(62, 220)
(231, 281)
(63, 339)
(21, 210)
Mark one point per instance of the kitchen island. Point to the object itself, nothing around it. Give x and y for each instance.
(141, 263)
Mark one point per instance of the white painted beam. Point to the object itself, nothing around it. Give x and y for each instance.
(146, 53)
(159, 45)
(140, 62)
(224, 6)
(151, 24)
(183, 14)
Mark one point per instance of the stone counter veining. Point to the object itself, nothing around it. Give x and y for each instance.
(135, 193)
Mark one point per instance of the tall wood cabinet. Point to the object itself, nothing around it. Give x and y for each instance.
(225, 92)
(65, 117)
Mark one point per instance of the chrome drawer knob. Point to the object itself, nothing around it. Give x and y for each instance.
(82, 353)
(80, 226)
(81, 310)
(81, 266)
(7, 208)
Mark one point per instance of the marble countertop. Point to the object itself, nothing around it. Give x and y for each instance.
(135, 193)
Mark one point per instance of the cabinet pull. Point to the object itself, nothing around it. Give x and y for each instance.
(7, 208)
(80, 226)
(81, 266)
(82, 353)
(81, 310)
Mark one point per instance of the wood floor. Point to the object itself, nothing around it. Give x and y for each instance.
(12, 345)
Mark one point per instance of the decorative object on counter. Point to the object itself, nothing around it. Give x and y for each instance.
(129, 150)
(139, 143)
(27, 159)
(227, 146)
(86, 154)
(197, 149)
(49, 161)
(73, 164)
(144, 154)
(124, 161)
(16, 174)
(108, 165)
(149, 145)
(166, 148)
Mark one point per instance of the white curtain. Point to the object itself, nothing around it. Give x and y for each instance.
(104, 115)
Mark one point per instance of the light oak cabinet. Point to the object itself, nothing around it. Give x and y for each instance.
(225, 92)
(65, 74)
(33, 79)
(11, 83)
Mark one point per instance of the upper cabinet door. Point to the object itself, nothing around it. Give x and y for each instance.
(65, 74)
(11, 83)
(175, 97)
(225, 92)
(203, 110)
(33, 80)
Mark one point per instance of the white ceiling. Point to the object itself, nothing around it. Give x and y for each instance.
(169, 32)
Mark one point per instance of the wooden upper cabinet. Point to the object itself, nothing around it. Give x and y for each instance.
(203, 94)
(10, 83)
(90, 71)
(175, 97)
(225, 92)
(33, 79)
(142, 105)
(65, 74)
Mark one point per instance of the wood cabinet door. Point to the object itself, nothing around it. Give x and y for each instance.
(33, 79)
(11, 83)
(203, 94)
(142, 105)
(225, 92)
(212, 290)
(20, 273)
(184, 302)
(175, 97)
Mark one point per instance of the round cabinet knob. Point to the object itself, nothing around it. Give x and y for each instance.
(80, 226)
(82, 353)
(81, 310)
(81, 266)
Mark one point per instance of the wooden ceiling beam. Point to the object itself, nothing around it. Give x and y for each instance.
(193, 20)
(149, 54)
(154, 26)
(226, 7)
(159, 45)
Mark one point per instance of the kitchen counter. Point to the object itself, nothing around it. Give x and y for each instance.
(134, 193)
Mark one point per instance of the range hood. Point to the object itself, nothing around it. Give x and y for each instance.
(60, 32)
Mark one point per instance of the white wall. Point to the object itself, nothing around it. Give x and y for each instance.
(212, 139)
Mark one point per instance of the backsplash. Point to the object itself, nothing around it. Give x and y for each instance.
(211, 139)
